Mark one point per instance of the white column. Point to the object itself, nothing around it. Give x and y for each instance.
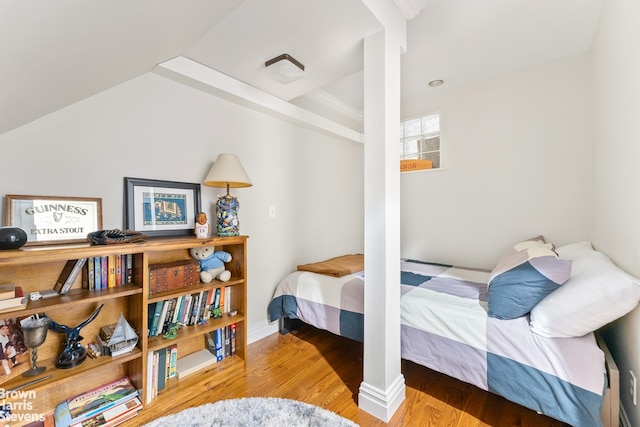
(383, 388)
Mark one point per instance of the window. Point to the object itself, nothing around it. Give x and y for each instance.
(420, 140)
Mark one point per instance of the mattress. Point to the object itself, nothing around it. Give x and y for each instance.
(445, 327)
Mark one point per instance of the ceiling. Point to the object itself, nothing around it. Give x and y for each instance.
(55, 53)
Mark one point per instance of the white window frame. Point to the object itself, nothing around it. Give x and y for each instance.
(420, 139)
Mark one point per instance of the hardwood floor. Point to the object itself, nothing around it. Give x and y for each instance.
(323, 369)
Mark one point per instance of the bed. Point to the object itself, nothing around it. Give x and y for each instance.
(453, 321)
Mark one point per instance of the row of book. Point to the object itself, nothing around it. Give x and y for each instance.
(190, 309)
(106, 406)
(161, 367)
(222, 342)
(108, 272)
(163, 364)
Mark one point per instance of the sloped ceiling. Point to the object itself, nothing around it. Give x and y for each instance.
(55, 53)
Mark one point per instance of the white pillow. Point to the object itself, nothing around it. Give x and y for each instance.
(597, 293)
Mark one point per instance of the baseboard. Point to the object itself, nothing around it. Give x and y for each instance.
(624, 420)
(261, 330)
(382, 404)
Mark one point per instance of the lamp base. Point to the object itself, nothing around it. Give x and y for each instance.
(227, 223)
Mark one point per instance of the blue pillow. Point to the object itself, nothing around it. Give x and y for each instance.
(526, 274)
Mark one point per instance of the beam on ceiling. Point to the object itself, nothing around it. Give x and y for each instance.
(194, 74)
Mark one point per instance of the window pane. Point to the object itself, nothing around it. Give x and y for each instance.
(431, 124)
(430, 144)
(412, 127)
(411, 146)
(434, 157)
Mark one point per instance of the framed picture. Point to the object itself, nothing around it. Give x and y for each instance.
(54, 220)
(161, 208)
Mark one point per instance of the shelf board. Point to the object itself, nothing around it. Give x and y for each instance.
(75, 296)
(49, 253)
(58, 374)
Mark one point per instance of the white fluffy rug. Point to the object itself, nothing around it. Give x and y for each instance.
(254, 412)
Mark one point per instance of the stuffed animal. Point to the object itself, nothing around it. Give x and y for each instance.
(211, 263)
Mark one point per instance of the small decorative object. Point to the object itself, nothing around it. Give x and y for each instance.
(227, 215)
(73, 353)
(227, 171)
(161, 208)
(172, 331)
(12, 238)
(54, 220)
(123, 339)
(202, 226)
(34, 331)
(115, 236)
(211, 263)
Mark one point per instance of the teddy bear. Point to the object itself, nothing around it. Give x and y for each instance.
(211, 263)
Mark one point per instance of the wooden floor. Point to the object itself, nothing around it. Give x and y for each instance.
(323, 369)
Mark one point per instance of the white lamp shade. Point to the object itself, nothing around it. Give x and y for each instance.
(227, 171)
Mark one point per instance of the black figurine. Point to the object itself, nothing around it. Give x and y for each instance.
(74, 353)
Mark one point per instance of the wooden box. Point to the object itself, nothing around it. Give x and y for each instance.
(173, 275)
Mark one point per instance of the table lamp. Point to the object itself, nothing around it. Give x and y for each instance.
(227, 171)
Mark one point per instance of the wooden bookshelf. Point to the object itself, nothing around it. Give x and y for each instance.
(38, 268)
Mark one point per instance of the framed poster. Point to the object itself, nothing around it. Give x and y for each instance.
(54, 220)
(161, 208)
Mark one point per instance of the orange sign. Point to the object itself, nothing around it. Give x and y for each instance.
(409, 165)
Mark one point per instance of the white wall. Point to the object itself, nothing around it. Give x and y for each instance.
(152, 127)
(516, 159)
(616, 141)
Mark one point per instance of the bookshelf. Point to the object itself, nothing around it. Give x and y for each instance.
(38, 268)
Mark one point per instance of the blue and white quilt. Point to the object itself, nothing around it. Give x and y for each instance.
(445, 327)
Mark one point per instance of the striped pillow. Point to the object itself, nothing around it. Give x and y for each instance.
(525, 274)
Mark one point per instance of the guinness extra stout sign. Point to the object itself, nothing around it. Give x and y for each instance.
(54, 219)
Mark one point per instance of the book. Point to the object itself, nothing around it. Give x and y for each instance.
(91, 278)
(163, 315)
(18, 302)
(153, 368)
(169, 317)
(222, 298)
(119, 270)
(153, 329)
(113, 416)
(227, 301)
(104, 270)
(219, 340)
(97, 400)
(129, 269)
(232, 339)
(149, 386)
(216, 312)
(194, 362)
(173, 359)
(97, 275)
(68, 275)
(7, 291)
(111, 271)
(61, 415)
(178, 309)
(186, 309)
(227, 341)
(195, 308)
(162, 368)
